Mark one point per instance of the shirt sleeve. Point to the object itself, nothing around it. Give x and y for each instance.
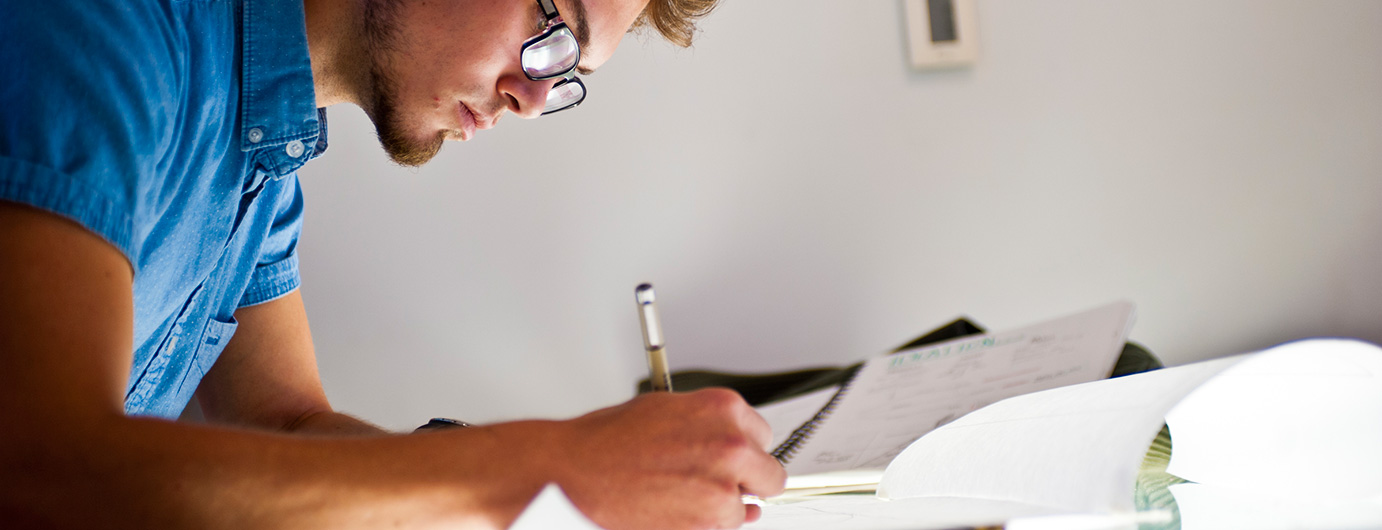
(276, 273)
(79, 105)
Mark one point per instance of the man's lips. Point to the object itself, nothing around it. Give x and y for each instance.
(470, 122)
(467, 122)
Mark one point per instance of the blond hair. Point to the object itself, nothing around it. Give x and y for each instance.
(675, 20)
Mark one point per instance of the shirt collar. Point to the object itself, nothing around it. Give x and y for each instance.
(280, 124)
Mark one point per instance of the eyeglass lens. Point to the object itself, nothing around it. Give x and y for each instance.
(563, 95)
(554, 55)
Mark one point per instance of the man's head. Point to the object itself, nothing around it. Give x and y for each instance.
(443, 69)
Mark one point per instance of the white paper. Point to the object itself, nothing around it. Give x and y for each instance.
(859, 512)
(896, 399)
(1092, 521)
(1299, 421)
(787, 415)
(552, 510)
(1204, 507)
(866, 512)
(1076, 448)
(835, 478)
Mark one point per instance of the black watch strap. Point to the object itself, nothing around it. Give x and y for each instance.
(442, 423)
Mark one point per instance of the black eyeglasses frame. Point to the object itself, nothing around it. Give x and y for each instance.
(554, 24)
(578, 102)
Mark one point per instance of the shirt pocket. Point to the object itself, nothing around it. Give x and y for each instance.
(213, 341)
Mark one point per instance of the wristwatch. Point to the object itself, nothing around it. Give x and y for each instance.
(442, 423)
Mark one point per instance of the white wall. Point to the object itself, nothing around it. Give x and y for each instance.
(801, 198)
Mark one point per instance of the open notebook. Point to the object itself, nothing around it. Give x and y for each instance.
(1284, 438)
(891, 401)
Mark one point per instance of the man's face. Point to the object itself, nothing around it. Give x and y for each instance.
(444, 69)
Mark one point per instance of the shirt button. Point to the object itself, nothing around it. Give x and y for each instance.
(255, 135)
(294, 148)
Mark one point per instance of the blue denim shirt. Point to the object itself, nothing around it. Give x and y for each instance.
(171, 128)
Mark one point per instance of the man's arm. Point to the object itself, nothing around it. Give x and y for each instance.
(71, 458)
(267, 376)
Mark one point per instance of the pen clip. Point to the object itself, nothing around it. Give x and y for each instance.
(659, 376)
(647, 316)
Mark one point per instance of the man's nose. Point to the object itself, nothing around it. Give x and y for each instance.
(526, 98)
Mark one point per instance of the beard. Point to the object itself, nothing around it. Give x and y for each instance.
(404, 150)
(381, 37)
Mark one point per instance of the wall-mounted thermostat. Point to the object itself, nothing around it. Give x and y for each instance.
(941, 33)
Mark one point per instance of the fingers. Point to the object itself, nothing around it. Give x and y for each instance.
(758, 429)
(763, 476)
(747, 420)
(743, 456)
(684, 461)
(731, 512)
(752, 512)
(737, 513)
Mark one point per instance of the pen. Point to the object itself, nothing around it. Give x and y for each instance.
(658, 374)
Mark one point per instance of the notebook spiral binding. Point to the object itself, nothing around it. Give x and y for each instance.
(789, 448)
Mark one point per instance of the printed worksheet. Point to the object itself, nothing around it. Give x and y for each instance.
(896, 399)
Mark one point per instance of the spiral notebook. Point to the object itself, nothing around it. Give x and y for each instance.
(891, 401)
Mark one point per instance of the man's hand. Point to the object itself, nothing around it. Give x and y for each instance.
(669, 461)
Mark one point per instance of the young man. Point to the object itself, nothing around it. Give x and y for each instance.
(149, 214)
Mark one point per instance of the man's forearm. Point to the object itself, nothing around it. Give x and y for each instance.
(122, 472)
(70, 458)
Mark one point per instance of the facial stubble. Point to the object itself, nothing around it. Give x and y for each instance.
(382, 36)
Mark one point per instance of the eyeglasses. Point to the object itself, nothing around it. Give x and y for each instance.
(551, 54)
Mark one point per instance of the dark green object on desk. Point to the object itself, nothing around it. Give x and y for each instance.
(758, 389)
